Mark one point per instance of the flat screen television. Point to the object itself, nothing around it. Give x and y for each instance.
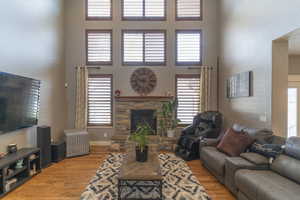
(19, 102)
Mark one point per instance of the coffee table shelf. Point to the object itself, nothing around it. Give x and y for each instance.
(140, 181)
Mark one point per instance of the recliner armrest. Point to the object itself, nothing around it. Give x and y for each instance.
(189, 130)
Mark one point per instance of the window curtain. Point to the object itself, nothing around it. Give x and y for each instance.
(81, 97)
(205, 88)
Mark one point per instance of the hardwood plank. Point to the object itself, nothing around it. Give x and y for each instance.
(67, 180)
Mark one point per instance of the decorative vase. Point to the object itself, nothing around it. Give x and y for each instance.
(141, 156)
(171, 133)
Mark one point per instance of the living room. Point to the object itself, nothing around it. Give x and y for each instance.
(102, 67)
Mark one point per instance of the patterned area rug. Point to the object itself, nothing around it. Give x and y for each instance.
(178, 184)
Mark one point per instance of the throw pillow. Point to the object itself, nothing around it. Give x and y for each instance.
(234, 143)
(268, 150)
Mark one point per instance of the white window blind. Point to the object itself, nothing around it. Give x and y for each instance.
(100, 100)
(99, 47)
(144, 48)
(99, 9)
(144, 9)
(188, 95)
(188, 48)
(189, 9)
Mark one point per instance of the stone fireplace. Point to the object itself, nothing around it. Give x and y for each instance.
(143, 117)
(128, 108)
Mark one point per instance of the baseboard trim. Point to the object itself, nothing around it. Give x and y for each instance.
(100, 143)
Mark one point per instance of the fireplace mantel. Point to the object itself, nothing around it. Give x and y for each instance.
(143, 98)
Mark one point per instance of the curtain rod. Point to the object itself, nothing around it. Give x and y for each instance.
(90, 67)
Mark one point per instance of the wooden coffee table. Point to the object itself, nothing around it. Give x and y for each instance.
(138, 180)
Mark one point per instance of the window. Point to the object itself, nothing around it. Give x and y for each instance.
(189, 10)
(100, 100)
(144, 48)
(144, 9)
(98, 9)
(188, 47)
(99, 47)
(188, 95)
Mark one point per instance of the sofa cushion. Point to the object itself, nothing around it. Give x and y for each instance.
(266, 185)
(292, 147)
(234, 143)
(214, 159)
(288, 167)
(255, 158)
(262, 135)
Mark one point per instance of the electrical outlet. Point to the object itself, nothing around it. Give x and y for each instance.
(105, 134)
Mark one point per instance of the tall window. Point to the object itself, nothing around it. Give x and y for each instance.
(100, 100)
(188, 95)
(99, 47)
(144, 47)
(188, 47)
(144, 9)
(188, 9)
(98, 9)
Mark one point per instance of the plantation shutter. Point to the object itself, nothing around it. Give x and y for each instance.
(100, 100)
(99, 9)
(144, 48)
(133, 48)
(189, 9)
(188, 95)
(188, 48)
(99, 49)
(144, 9)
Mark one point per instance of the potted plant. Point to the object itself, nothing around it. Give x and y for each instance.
(141, 140)
(168, 121)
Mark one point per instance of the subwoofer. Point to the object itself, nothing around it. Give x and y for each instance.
(44, 143)
(58, 150)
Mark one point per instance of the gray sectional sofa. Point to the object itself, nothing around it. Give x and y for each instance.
(251, 176)
(280, 181)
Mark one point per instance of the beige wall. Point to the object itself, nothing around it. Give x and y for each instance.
(32, 45)
(75, 26)
(247, 32)
(294, 64)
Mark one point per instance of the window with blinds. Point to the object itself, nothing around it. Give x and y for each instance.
(144, 48)
(188, 9)
(98, 9)
(99, 47)
(144, 9)
(100, 100)
(188, 47)
(188, 95)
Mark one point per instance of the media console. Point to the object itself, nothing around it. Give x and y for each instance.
(17, 168)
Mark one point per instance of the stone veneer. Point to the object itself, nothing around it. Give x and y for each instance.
(123, 108)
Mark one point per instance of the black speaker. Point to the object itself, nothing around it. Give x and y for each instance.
(58, 151)
(44, 143)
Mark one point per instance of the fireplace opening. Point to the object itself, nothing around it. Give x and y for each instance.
(142, 117)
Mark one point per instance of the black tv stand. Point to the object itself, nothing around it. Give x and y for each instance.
(13, 175)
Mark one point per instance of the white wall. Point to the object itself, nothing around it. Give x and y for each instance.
(31, 45)
(294, 64)
(75, 26)
(247, 31)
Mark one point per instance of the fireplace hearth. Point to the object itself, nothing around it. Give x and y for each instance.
(142, 117)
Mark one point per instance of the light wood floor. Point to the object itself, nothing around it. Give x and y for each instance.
(67, 179)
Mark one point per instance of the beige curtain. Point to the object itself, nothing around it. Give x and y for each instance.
(81, 97)
(205, 88)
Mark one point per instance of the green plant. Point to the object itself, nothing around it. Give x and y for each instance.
(140, 135)
(167, 119)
